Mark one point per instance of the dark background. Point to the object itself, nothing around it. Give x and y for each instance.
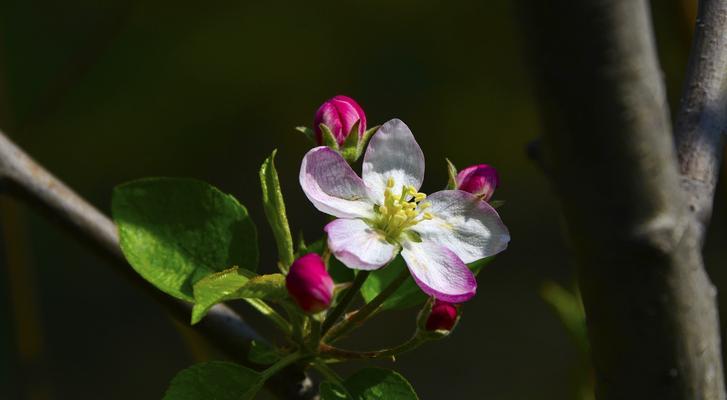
(105, 92)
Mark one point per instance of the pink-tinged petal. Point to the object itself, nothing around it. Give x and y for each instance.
(442, 317)
(332, 186)
(350, 112)
(481, 180)
(463, 223)
(309, 284)
(392, 152)
(357, 245)
(439, 272)
(339, 114)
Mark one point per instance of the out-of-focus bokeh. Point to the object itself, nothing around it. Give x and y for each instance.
(105, 92)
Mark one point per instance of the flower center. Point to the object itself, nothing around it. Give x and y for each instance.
(400, 212)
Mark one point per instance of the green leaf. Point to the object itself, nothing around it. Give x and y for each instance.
(262, 353)
(365, 139)
(331, 391)
(328, 138)
(308, 132)
(569, 308)
(175, 231)
(275, 210)
(235, 283)
(379, 384)
(409, 294)
(349, 150)
(214, 380)
(339, 272)
(452, 173)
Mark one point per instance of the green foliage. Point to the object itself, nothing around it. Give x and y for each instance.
(308, 132)
(274, 206)
(331, 391)
(175, 232)
(350, 149)
(452, 175)
(409, 294)
(215, 380)
(262, 353)
(569, 308)
(328, 138)
(235, 283)
(378, 384)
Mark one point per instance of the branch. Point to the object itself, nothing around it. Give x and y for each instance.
(23, 178)
(702, 120)
(652, 315)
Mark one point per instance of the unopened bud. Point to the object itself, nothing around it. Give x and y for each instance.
(443, 317)
(309, 284)
(480, 180)
(339, 114)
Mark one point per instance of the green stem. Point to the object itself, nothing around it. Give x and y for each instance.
(331, 375)
(269, 312)
(328, 372)
(315, 333)
(345, 301)
(366, 311)
(284, 362)
(342, 354)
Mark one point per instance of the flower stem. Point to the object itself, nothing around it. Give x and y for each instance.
(269, 312)
(284, 362)
(366, 311)
(342, 354)
(330, 375)
(345, 301)
(327, 372)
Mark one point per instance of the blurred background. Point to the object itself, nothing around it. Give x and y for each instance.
(104, 92)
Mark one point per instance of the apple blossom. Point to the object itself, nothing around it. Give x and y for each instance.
(383, 212)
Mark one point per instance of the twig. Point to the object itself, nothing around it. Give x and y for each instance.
(345, 302)
(652, 315)
(701, 123)
(23, 178)
(347, 324)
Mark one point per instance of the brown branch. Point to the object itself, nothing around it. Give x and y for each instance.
(651, 310)
(26, 180)
(701, 124)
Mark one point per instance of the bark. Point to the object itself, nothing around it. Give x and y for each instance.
(702, 119)
(608, 148)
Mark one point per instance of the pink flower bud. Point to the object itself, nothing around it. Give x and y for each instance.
(309, 284)
(442, 317)
(480, 180)
(339, 114)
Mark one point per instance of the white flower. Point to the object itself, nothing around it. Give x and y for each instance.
(384, 213)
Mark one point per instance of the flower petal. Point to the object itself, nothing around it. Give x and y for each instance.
(464, 224)
(392, 152)
(357, 245)
(439, 272)
(332, 186)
